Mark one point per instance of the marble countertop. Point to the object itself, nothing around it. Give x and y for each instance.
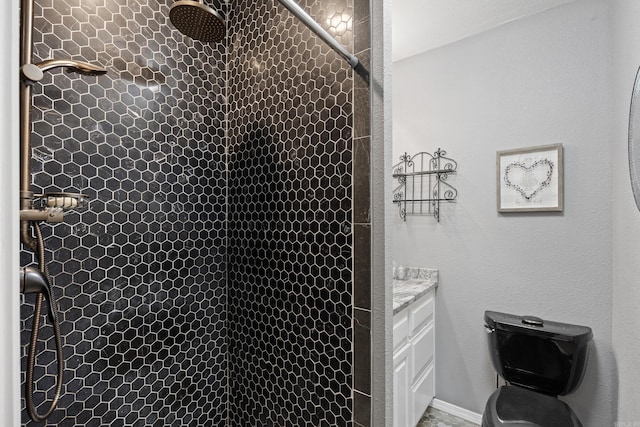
(418, 282)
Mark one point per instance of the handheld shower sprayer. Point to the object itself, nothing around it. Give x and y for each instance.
(35, 280)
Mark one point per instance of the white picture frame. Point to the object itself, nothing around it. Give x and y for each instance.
(530, 179)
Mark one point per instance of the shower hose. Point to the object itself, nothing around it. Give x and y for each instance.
(31, 408)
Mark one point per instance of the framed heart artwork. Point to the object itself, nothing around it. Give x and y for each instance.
(530, 179)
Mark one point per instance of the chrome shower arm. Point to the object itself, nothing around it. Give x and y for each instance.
(72, 66)
(320, 32)
(35, 72)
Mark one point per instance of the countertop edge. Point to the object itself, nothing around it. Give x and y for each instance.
(417, 296)
(405, 292)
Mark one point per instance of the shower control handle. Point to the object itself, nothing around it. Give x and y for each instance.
(34, 281)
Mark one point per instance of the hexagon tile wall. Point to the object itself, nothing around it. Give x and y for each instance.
(140, 274)
(290, 122)
(210, 280)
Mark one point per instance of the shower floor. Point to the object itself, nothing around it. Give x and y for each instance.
(436, 418)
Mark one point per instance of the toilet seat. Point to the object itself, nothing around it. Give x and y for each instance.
(513, 406)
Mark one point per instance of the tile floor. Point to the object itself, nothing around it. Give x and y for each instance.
(435, 418)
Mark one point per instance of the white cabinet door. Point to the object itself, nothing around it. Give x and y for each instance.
(402, 414)
(422, 351)
(421, 395)
(413, 361)
(400, 329)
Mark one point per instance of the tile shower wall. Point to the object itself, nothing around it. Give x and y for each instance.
(290, 217)
(140, 273)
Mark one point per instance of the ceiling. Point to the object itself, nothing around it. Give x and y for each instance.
(421, 25)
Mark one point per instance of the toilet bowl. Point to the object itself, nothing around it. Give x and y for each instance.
(539, 360)
(513, 406)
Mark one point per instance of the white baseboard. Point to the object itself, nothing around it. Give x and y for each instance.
(459, 412)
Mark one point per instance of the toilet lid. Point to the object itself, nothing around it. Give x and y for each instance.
(512, 405)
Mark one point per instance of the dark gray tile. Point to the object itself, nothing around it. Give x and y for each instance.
(365, 60)
(362, 266)
(361, 410)
(362, 180)
(362, 350)
(362, 112)
(361, 10)
(362, 36)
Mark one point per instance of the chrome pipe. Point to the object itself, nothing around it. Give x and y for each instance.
(26, 52)
(25, 147)
(26, 46)
(320, 32)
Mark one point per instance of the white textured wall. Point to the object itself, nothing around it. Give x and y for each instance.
(540, 80)
(423, 25)
(626, 217)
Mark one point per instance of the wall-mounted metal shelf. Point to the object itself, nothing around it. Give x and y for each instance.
(422, 183)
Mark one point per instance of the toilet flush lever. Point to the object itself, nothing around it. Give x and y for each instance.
(532, 321)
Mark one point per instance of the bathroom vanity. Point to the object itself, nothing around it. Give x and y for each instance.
(413, 345)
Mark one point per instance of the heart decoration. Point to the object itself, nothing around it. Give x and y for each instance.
(529, 180)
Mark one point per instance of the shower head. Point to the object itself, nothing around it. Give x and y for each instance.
(35, 72)
(198, 21)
